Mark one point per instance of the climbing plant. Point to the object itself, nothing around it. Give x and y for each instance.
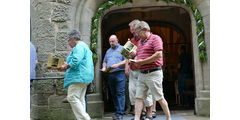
(188, 3)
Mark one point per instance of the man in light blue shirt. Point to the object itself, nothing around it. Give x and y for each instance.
(33, 62)
(79, 73)
(117, 78)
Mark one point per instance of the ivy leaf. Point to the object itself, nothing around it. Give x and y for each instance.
(95, 58)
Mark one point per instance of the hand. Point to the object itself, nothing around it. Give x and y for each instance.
(133, 54)
(132, 60)
(138, 63)
(114, 66)
(103, 69)
(62, 68)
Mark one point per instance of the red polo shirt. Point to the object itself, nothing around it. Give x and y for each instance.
(135, 42)
(147, 49)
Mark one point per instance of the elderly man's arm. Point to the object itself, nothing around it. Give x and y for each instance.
(127, 68)
(157, 55)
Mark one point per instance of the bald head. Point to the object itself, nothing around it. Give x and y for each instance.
(113, 41)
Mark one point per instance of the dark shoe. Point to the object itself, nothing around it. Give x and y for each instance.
(148, 117)
(154, 114)
(64, 100)
(144, 113)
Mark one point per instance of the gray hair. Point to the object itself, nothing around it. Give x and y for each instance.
(134, 22)
(142, 25)
(74, 34)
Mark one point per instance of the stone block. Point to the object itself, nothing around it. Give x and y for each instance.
(94, 97)
(43, 10)
(43, 57)
(53, 73)
(43, 28)
(204, 94)
(197, 2)
(40, 99)
(43, 86)
(55, 114)
(59, 87)
(202, 106)
(46, 45)
(68, 114)
(62, 42)
(95, 109)
(60, 13)
(86, 39)
(204, 7)
(62, 54)
(67, 2)
(206, 21)
(55, 101)
(40, 70)
(66, 105)
(35, 3)
(40, 112)
(64, 26)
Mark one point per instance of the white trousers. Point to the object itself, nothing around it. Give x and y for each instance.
(133, 78)
(76, 98)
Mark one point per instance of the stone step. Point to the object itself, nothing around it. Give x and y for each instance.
(202, 106)
(94, 97)
(204, 94)
(95, 109)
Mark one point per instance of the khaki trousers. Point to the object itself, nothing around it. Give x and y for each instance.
(76, 98)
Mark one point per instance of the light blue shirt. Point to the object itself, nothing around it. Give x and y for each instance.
(113, 56)
(81, 62)
(33, 58)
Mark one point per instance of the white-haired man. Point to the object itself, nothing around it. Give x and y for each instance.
(132, 71)
(150, 61)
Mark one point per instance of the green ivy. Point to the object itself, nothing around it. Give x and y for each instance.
(189, 3)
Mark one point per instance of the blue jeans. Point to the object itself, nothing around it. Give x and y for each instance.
(116, 83)
(86, 102)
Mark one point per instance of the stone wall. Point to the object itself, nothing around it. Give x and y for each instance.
(47, 96)
(47, 101)
(51, 20)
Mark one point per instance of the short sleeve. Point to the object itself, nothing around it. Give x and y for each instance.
(157, 43)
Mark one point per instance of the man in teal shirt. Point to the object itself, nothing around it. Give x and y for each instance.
(79, 73)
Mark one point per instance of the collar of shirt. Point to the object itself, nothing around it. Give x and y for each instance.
(149, 37)
(116, 47)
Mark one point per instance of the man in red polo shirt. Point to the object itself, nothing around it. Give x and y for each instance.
(150, 61)
(132, 71)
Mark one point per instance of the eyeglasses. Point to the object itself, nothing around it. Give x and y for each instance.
(137, 32)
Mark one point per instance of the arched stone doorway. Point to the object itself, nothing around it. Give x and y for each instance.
(173, 24)
(87, 8)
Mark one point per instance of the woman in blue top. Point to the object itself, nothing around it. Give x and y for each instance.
(79, 73)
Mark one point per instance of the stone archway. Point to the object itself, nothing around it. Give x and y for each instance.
(201, 71)
(175, 31)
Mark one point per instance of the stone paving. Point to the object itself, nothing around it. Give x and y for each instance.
(176, 115)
